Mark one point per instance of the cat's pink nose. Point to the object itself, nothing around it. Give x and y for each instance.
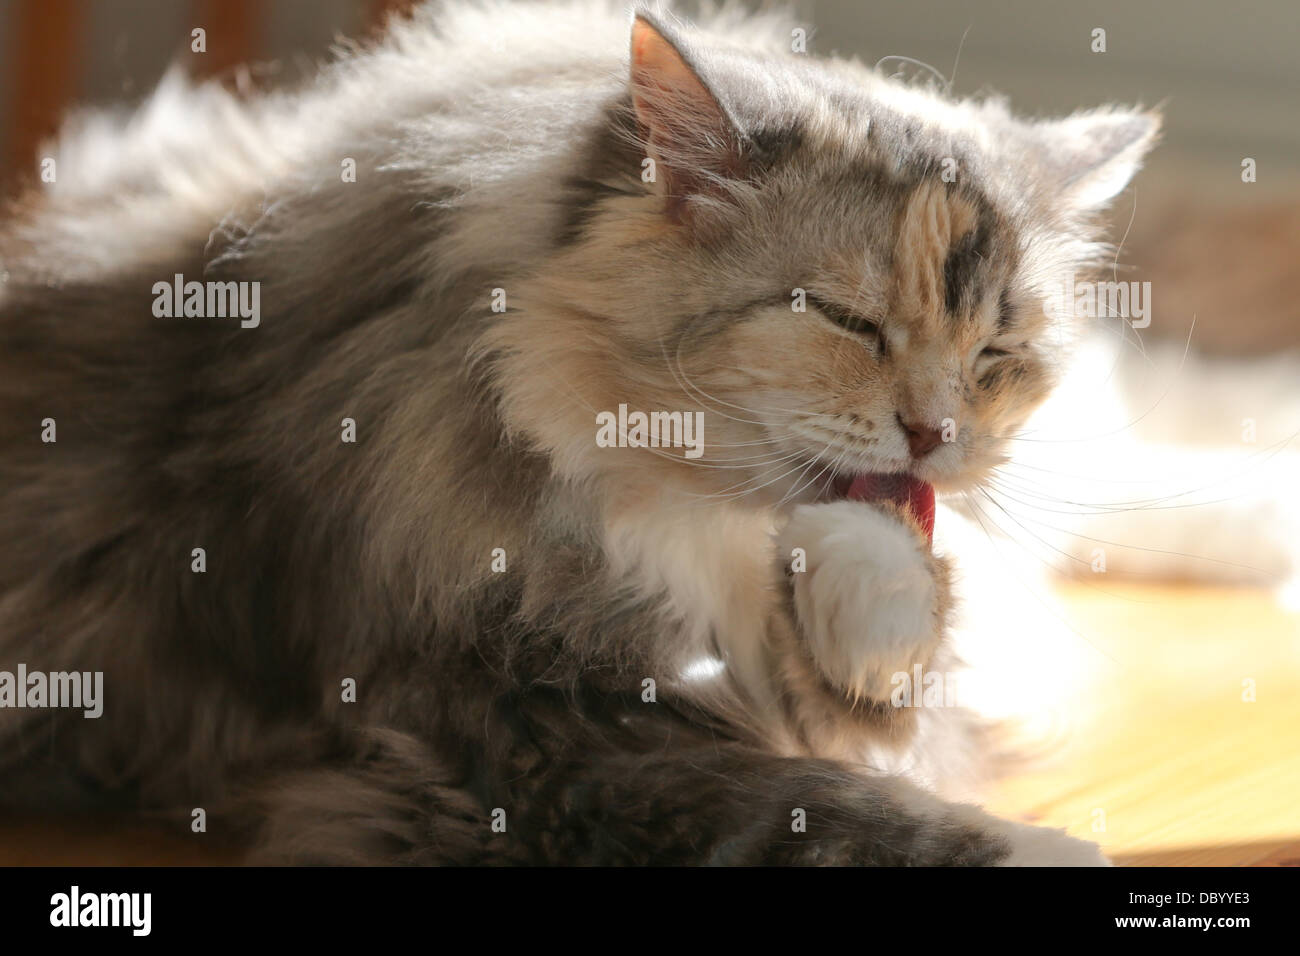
(921, 439)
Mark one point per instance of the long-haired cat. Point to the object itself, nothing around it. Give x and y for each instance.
(365, 576)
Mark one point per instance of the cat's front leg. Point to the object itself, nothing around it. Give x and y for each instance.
(871, 597)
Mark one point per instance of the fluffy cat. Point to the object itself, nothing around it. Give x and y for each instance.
(562, 652)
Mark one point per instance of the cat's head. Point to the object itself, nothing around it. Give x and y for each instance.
(843, 274)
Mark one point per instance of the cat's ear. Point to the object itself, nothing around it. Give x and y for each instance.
(1092, 156)
(693, 141)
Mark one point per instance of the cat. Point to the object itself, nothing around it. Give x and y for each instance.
(361, 580)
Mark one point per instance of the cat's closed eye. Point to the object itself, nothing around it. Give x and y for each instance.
(1006, 319)
(849, 320)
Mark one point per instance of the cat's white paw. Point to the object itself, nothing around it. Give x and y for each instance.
(1044, 846)
(867, 601)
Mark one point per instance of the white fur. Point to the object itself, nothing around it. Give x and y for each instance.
(1044, 846)
(867, 601)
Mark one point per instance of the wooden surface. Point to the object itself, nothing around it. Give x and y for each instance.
(1163, 752)
(1159, 741)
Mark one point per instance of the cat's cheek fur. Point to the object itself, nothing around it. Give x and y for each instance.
(873, 598)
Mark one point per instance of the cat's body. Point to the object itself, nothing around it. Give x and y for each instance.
(598, 650)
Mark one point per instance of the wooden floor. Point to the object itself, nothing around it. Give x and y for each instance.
(1167, 764)
(1163, 762)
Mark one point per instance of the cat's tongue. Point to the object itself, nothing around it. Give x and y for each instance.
(913, 494)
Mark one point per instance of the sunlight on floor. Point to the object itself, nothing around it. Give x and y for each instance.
(1182, 742)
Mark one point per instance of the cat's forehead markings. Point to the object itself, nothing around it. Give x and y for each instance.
(942, 239)
(967, 258)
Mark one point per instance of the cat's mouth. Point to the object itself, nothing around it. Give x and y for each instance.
(908, 492)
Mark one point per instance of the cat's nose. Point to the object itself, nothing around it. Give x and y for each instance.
(921, 439)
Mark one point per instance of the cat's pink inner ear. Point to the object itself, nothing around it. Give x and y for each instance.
(688, 133)
(665, 90)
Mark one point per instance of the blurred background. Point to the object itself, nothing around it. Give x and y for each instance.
(1168, 761)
